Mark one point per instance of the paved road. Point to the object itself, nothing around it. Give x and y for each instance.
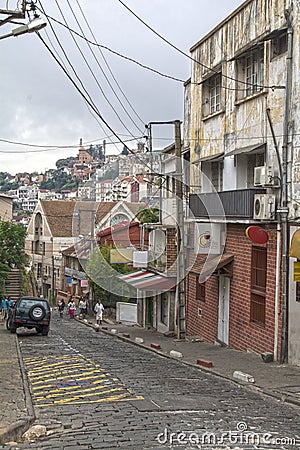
(94, 391)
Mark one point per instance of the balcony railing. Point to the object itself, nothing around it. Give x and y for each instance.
(235, 204)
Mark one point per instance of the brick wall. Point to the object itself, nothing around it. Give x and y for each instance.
(243, 335)
(171, 251)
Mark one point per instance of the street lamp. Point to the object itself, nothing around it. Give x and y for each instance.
(34, 25)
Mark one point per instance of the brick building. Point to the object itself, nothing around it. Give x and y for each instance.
(223, 308)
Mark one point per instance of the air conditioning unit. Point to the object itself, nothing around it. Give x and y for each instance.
(141, 258)
(263, 176)
(264, 207)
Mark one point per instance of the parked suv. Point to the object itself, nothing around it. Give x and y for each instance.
(30, 312)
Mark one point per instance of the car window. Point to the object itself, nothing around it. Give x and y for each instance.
(27, 303)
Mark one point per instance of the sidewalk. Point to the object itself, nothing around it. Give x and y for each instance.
(15, 413)
(279, 381)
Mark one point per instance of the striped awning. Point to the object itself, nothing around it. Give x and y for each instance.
(149, 281)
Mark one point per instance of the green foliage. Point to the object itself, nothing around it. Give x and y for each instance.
(148, 215)
(67, 162)
(96, 151)
(12, 243)
(60, 181)
(47, 184)
(7, 186)
(103, 278)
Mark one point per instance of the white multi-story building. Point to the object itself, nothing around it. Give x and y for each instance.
(104, 191)
(242, 131)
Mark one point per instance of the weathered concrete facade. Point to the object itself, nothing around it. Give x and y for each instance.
(240, 121)
(236, 97)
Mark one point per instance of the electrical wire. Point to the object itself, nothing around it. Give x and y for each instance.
(93, 74)
(97, 62)
(42, 149)
(157, 72)
(91, 110)
(64, 146)
(107, 65)
(90, 103)
(193, 59)
(49, 147)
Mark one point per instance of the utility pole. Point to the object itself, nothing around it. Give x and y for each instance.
(53, 282)
(180, 263)
(284, 209)
(180, 288)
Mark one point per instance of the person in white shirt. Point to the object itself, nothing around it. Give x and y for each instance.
(99, 308)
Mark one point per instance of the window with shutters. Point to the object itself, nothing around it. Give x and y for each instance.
(250, 73)
(212, 89)
(258, 285)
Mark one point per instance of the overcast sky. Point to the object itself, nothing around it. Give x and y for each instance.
(41, 106)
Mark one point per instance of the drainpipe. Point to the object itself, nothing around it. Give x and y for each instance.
(278, 246)
(284, 210)
(277, 292)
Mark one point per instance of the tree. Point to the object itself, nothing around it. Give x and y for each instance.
(103, 277)
(12, 244)
(67, 162)
(148, 215)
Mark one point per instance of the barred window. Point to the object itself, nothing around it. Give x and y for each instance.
(258, 285)
(200, 291)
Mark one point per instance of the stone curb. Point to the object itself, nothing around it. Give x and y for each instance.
(283, 397)
(14, 431)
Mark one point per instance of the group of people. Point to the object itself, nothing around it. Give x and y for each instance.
(6, 305)
(82, 307)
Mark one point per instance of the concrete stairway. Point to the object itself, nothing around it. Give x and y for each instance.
(13, 284)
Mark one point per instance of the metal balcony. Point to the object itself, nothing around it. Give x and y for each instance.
(235, 204)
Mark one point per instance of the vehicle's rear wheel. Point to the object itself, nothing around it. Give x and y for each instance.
(37, 312)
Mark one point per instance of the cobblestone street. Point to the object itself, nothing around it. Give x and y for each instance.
(92, 390)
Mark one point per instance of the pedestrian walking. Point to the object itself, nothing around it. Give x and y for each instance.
(4, 308)
(71, 308)
(61, 307)
(82, 307)
(98, 309)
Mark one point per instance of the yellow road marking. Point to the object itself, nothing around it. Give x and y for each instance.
(97, 388)
(67, 376)
(77, 397)
(73, 368)
(69, 388)
(94, 381)
(116, 398)
(58, 369)
(38, 361)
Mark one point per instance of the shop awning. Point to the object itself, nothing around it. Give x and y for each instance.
(210, 158)
(216, 265)
(256, 148)
(149, 281)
